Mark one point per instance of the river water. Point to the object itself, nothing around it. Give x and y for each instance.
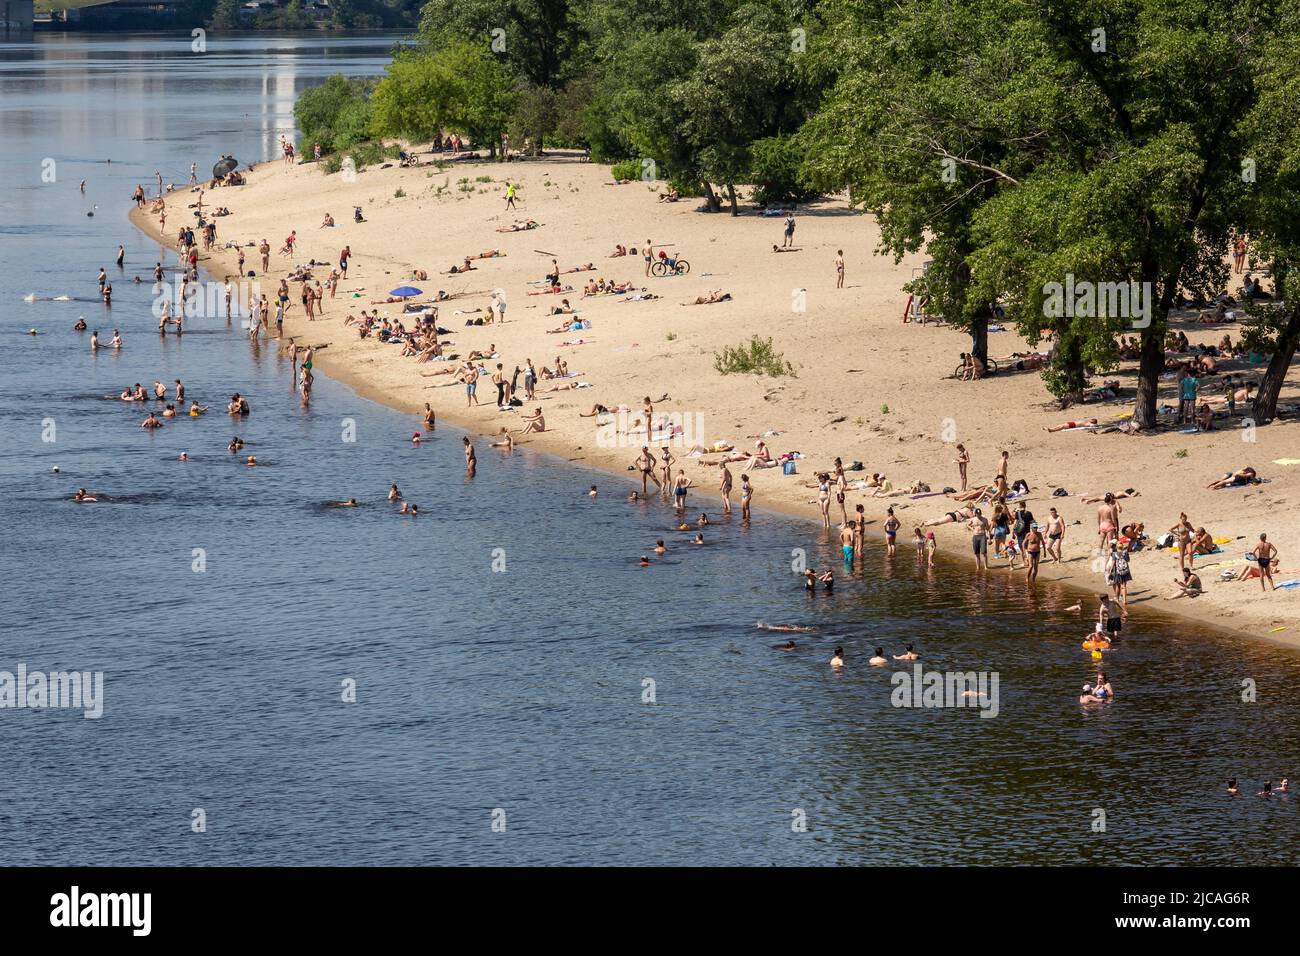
(513, 697)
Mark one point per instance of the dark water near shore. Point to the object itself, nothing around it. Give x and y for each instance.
(479, 690)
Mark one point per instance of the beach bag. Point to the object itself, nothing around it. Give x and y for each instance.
(1060, 493)
(788, 466)
(1165, 541)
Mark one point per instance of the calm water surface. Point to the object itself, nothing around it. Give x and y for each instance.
(479, 690)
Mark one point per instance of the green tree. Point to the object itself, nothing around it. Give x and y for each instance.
(225, 16)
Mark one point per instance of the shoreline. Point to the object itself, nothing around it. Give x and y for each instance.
(396, 384)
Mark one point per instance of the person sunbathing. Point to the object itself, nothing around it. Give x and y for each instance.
(596, 411)
(519, 226)
(715, 296)
(671, 196)
(573, 325)
(1068, 425)
(456, 271)
(776, 248)
(1235, 479)
(975, 494)
(589, 267)
(488, 254)
(329, 221)
(564, 308)
(964, 513)
(1093, 499)
(566, 386)
(619, 252)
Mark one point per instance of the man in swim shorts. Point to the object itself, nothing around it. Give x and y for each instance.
(979, 530)
(847, 535)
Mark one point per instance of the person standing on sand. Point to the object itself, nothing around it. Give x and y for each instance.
(839, 268)
(1264, 554)
(471, 384)
(1107, 521)
(787, 239)
(724, 486)
(530, 380)
(265, 251)
(979, 536)
(649, 256)
(344, 255)
(1055, 535)
(962, 460)
(1182, 532)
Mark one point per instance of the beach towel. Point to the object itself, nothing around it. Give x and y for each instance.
(1288, 585)
(927, 494)
(1286, 461)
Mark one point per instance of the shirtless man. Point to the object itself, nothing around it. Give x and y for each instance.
(847, 538)
(1265, 554)
(1055, 535)
(724, 486)
(264, 249)
(645, 463)
(979, 536)
(1032, 546)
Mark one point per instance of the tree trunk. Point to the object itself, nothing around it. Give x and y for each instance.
(711, 198)
(979, 336)
(1150, 364)
(1073, 371)
(731, 192)
(1270, 386)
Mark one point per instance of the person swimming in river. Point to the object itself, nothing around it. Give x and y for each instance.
(83, 495)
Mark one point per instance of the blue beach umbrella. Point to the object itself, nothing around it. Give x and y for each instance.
(406, 291)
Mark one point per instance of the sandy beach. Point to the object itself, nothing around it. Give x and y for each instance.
(866, 387)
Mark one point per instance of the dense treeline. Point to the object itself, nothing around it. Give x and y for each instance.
(1021, 143)
(223, 15)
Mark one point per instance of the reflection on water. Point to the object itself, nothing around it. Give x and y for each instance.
(476, 689)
